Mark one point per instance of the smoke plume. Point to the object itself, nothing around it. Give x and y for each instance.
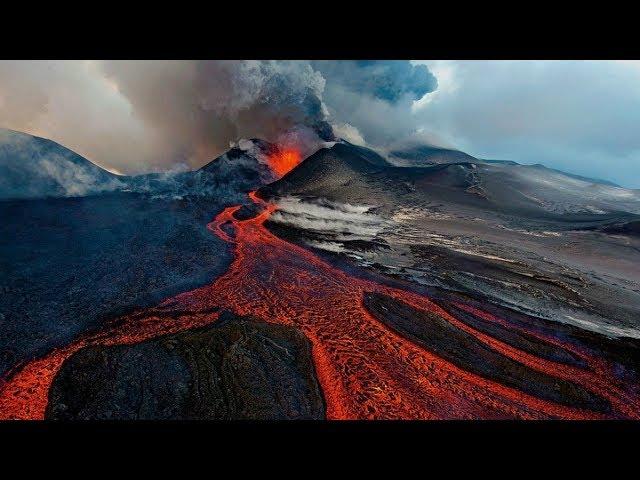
(143, 116)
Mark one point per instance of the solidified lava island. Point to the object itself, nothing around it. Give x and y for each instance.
(308, 321)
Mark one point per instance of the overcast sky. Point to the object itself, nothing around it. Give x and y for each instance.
(580, 116)
(139, 116)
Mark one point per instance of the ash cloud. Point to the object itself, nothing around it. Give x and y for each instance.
(149, 116)
(389, 80)
(201, 106)
(72, 103)
(372, 101)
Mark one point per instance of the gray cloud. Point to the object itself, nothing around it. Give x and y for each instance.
(200, 106)
(374, 98)
(136, 116)
(140, 116)
(388, 80)
(73, 103)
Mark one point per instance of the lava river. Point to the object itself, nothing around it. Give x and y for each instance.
(366, 370)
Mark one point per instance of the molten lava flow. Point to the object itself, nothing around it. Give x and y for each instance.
(284, 160)
(365, 369)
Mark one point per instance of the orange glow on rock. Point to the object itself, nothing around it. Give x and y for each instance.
(284, 161)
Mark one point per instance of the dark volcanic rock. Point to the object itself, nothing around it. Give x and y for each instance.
(235, 369)
(467, 352)
(628, 228)
(70, 264)
(247, 211)
(622, 352)
(526, 343)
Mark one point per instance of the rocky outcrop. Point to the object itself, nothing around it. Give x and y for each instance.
(234, 369)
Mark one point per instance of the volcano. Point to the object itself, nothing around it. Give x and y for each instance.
(349, 173)
(353, 287)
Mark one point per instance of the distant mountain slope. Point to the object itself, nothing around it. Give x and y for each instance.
(536, 186)
(572, 175)
(423, 155)
(32, 167)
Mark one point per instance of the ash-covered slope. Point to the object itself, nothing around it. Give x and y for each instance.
(425, 155)
(34, 167)
(350, 174)
(244, 167)
(341, 172)
(561, 172)
(534, 187)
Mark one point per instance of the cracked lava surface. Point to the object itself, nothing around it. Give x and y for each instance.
(366, 370)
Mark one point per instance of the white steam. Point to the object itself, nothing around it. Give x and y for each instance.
(340, 220)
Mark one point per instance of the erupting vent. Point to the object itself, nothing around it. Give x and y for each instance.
(284, 161)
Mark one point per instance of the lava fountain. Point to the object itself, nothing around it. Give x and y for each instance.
(284, 160)
(365, 369)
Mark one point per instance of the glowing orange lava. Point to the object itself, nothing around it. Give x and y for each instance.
(284, 160)
(366, 371)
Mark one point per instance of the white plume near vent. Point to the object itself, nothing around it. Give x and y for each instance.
(342, 221)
